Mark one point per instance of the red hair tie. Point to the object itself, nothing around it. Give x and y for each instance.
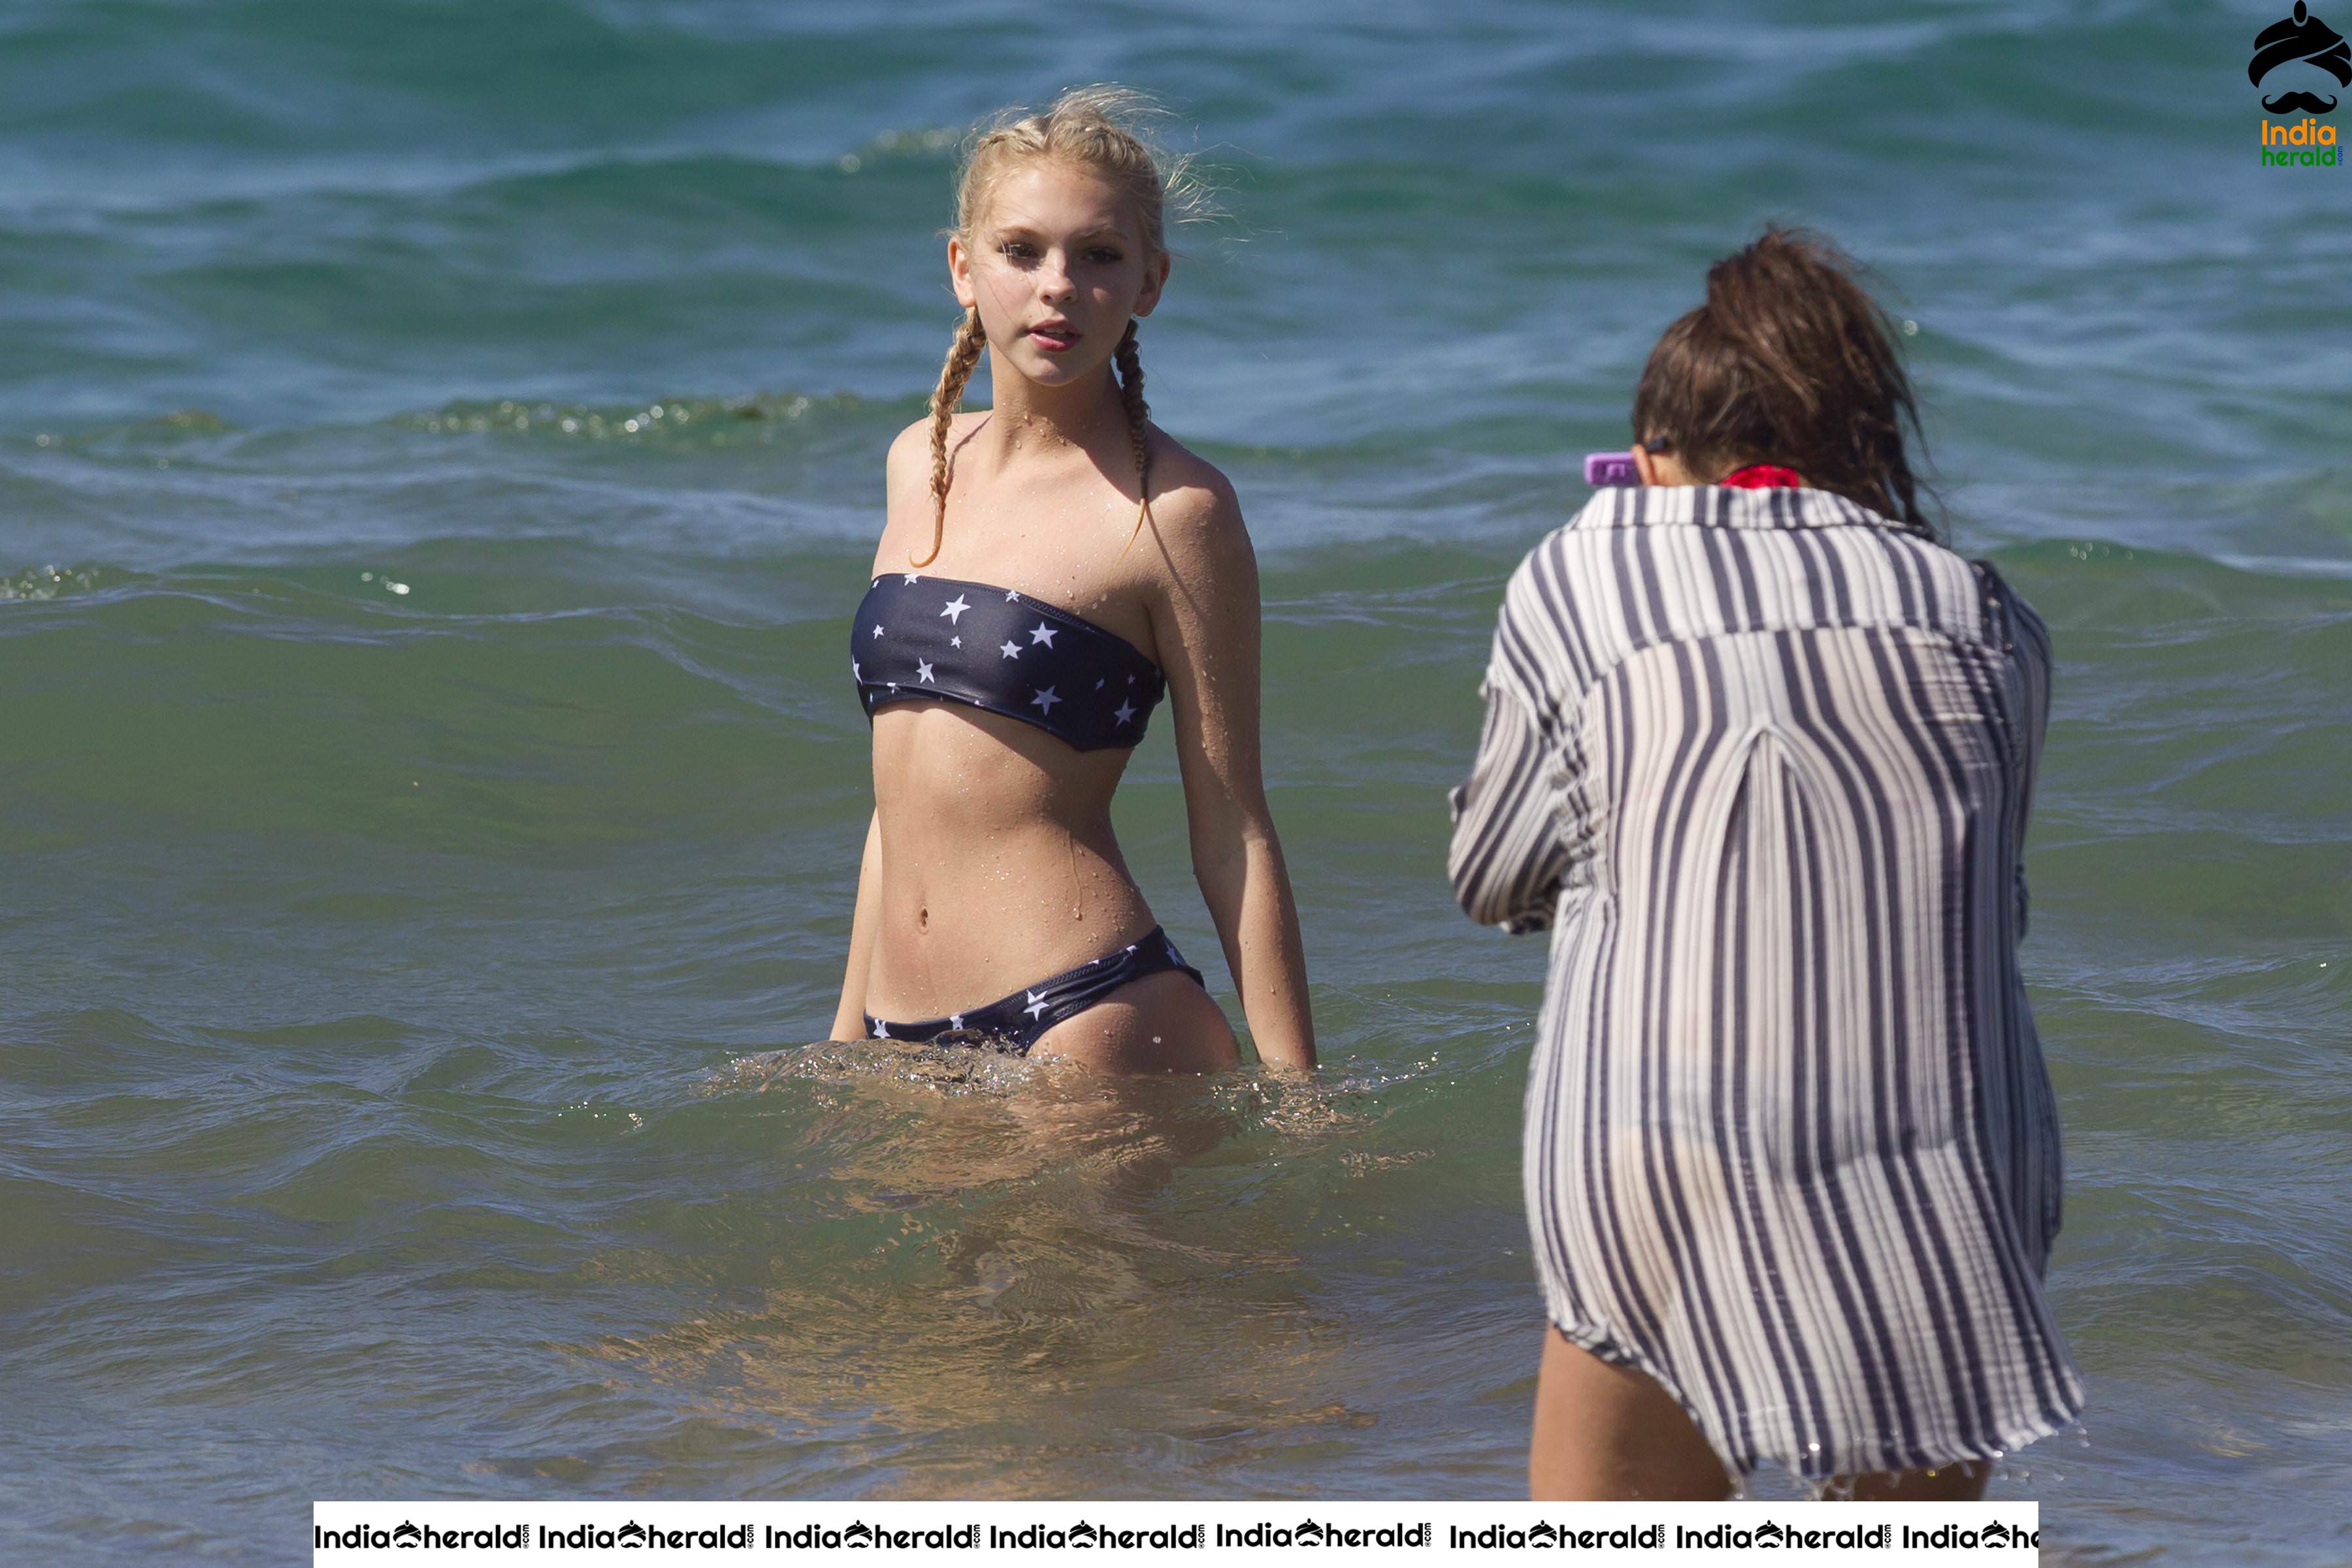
(1763, 477)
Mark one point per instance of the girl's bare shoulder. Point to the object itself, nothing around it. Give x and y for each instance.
(911, 450)
(907, 478)
(1195, 509)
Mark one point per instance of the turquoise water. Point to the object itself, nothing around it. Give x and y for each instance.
(438, 445)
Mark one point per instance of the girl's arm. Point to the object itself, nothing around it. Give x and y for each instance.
(849, 1017)
(902, 477)
(1205, 621)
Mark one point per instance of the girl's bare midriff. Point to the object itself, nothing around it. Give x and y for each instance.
(998, 864)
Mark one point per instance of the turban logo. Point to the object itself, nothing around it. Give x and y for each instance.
(2305, 37)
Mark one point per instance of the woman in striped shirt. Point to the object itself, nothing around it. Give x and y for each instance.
(1759, 751)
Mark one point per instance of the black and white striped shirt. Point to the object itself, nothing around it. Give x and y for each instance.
(1763, 760)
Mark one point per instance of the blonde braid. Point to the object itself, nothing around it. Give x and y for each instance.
(963, 357)
(1139, 413)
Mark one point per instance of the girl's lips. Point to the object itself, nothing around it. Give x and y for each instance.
(1053, 342)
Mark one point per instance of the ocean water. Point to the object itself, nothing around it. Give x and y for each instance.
(439, 445)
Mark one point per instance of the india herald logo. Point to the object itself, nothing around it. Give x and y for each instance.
(2301, 38)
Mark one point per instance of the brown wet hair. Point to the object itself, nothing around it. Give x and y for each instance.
(1791, 361)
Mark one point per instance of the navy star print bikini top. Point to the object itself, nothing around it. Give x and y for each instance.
(919, 637)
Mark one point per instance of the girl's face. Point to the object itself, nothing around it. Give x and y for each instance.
(1057, 266)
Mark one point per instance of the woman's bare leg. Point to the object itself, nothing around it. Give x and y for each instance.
(1605, 1433)
(1610, 1434)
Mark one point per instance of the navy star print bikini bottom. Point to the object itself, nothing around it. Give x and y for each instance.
(1018, 1021)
